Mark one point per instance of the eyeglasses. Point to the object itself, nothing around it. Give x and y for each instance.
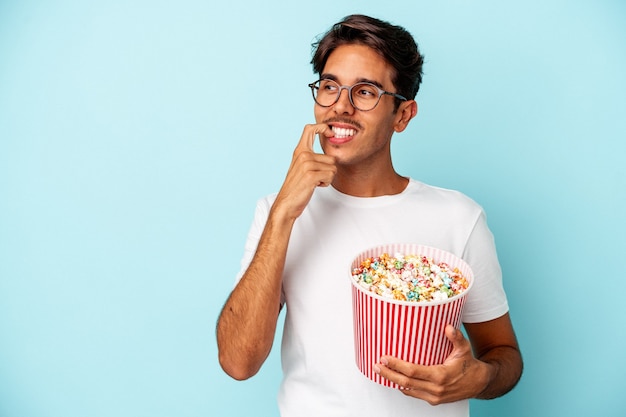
(363, 96)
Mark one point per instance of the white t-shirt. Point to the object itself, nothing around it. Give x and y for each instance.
(320, 377)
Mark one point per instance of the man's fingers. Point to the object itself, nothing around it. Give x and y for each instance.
(405, 368)
(318, 170)
(308, 136)
(460, 344)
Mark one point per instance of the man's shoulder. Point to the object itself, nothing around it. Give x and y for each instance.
(440, 195)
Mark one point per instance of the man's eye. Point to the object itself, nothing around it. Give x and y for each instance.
(366, 92)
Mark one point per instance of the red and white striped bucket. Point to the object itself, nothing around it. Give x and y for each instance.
(411, 331)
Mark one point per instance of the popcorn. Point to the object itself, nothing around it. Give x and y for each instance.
(409, 277)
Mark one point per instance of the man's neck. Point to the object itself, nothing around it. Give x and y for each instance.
(369, 184)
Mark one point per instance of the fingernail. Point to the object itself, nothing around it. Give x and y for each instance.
(384, 361)
(376, 369)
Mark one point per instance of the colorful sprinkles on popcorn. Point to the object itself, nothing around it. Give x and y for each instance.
(409, 278)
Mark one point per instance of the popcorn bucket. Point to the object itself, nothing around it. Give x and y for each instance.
(410, 330)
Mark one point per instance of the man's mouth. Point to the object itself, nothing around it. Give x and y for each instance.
(341, 133)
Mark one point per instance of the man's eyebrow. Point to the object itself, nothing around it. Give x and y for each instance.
(366, 80)
(332, 77)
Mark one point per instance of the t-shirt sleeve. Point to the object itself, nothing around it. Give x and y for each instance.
(261, 214)
(254, 235)
(487, 299)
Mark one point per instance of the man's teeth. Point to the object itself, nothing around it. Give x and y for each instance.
(341, 132)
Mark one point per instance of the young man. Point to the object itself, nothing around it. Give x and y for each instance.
(332, 206)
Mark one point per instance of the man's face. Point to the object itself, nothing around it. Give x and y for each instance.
(361, 137)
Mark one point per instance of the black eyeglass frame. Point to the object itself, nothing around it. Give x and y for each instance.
(381, 93)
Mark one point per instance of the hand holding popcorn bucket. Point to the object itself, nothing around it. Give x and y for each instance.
(411, 328)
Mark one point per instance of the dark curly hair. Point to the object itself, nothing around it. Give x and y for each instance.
(394, 43)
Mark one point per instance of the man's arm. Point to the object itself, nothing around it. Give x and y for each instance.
(493, 371)
(495, 344)
(247, 323)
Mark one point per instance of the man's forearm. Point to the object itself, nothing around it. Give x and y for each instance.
(247, 323)
(506, 364)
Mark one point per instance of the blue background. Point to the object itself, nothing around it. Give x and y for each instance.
(135, 138)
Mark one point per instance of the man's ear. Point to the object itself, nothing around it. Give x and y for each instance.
(406, 111)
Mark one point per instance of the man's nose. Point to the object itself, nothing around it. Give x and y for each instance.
(343, 105)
